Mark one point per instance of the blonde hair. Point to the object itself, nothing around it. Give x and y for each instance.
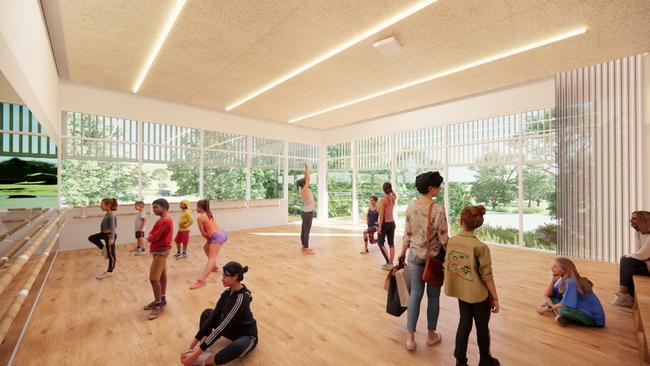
(583, 284)
(643, 219)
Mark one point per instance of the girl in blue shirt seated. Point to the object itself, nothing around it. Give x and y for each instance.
(571, 297)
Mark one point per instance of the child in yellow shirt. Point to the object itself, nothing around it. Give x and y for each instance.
(185, 222)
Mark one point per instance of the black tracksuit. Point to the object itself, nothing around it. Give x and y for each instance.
(231, 318)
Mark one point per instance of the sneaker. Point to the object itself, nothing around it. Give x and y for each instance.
(623, 300)
(178, 254)
(153, 304)
(141, 252)
(387, 267)
(105, 252)
(198, 284)
(364, 251)
(437, 338)
(411, 345)
(155, 312)
(104, 275)
(182, 256)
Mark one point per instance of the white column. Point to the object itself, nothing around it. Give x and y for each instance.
(645, 196)
(59, 160)
(355, 198)
(520, 175)
(285, 174)
(201, 164)
(323, 204)
(249, 157)
(445, 160)
(140, 157)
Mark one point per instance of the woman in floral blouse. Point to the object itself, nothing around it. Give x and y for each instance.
(415, 232)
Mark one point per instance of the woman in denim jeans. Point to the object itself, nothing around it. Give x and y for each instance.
(415, 232)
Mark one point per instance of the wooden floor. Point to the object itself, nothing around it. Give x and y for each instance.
(327, 309)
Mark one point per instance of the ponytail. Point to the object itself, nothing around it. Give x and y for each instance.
(205, 206)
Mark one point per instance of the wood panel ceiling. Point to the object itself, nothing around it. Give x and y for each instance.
(220, 51)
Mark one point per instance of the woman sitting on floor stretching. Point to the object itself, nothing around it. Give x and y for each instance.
(231, 318)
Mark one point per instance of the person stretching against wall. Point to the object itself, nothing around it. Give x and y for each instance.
(215, 237)
(637, 263)
(386, 224)
(231, 318)
(307, 214)
(468, 277)
(160, 238)
(183, 234)
(108, 234)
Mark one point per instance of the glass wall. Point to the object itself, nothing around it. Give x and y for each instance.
(339, 181)
(267, 169)
(299, 155)
(506, 163)
(28, 162)
(373, 163)
(127, 159)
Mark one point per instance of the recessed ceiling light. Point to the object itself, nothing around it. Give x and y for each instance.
(158, 45)
(454, 70)
(342, 47)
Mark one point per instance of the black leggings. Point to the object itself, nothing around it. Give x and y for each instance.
(480, 314)
(239, 347)
(110, 249)
(630, 267)
(387, 231)
(307, 218)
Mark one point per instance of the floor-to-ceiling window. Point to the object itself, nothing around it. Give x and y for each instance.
(224, 166)
(267, 168)
(299, 155)
(373, 168)
(339, 181)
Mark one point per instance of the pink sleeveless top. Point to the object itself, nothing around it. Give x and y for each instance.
(388, 209)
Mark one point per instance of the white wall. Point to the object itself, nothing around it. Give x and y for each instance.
(87, 99)
(76, 231)
(7, 92)
(529, 96)
(27, 62)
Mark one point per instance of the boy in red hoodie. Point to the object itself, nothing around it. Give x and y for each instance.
(160, 238)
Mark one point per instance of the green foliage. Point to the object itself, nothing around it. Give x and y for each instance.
(543, 237)
(227, 184)
(186, 177)
(538, 184)
(495, 185)
(551, 198)
(17, 170)
(339, 191)
(86, 182)
(266, 183)
(459, 198)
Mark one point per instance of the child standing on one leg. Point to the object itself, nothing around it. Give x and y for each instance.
(160, 238)
(184, 224)
(468, 269)
(107, 234)
(215, 236)
(371, 217)
(140, 222)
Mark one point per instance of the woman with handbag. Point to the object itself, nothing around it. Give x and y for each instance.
(425, 234)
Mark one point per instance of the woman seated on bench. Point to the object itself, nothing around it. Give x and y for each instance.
(636, 263)
(571, 297)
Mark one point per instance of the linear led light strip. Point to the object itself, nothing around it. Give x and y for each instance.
(351, 42)
(454, 70)
(158, 45)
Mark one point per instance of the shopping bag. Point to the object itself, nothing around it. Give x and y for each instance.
(403, 279)
(393, 304)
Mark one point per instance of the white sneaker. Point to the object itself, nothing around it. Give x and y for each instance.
(104, 275)
(141, 252)
(182, 256)
(623, 300)
(387, 267)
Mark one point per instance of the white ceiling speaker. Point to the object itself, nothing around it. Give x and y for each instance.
(388, 47)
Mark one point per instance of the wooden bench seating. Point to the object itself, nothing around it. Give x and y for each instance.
(642, 315)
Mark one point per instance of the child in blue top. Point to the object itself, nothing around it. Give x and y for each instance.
(372, 216)
(571, 297)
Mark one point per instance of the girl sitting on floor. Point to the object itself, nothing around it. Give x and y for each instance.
(571, 297)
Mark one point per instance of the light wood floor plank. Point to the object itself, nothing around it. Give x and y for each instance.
(327, 309)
